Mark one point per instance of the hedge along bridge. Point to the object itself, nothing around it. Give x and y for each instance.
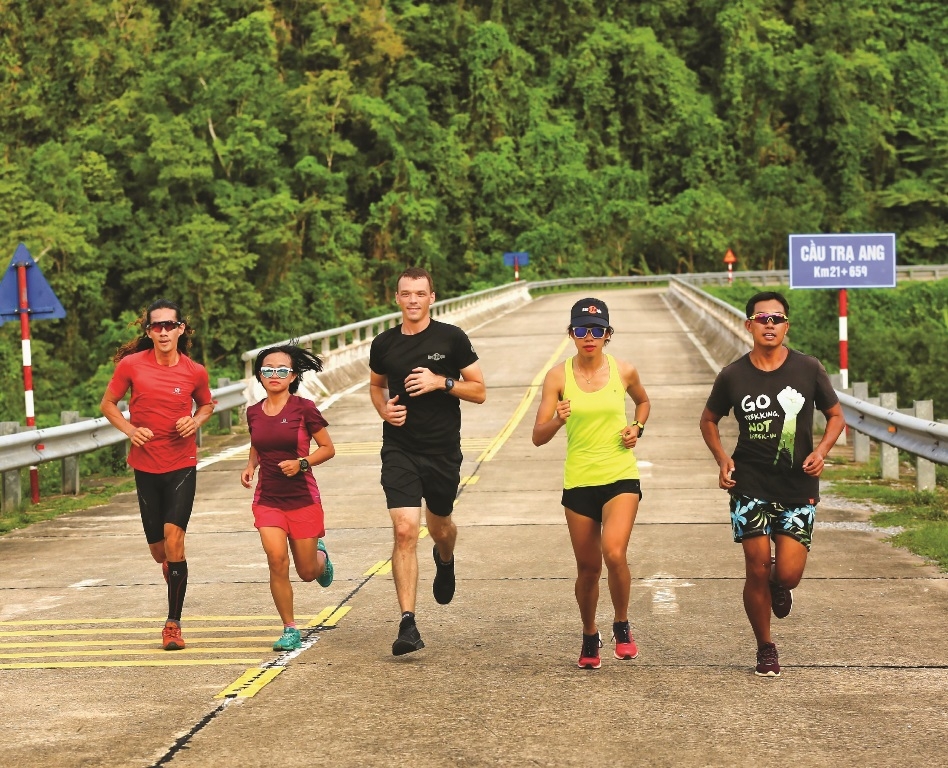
(345, 351)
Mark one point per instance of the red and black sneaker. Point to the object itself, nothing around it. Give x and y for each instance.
(625, 643)
(589, 655)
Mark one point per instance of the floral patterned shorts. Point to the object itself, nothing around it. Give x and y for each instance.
(755, 517)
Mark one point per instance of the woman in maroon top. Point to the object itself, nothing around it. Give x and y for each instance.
(287, 509)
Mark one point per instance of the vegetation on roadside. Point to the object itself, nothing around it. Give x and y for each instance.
(923, 515)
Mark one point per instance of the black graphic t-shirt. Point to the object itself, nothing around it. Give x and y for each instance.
(774, 411)
(433, 424)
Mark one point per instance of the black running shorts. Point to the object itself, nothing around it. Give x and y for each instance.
(407, 478)
(588, 500)
(163, 498)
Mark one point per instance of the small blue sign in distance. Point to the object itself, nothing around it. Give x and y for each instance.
(842, 261)
(520, 258)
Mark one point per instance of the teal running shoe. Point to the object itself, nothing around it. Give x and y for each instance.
(326, 579)
(290, 640)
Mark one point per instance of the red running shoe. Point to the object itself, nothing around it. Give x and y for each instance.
(171, 639)
(589, 655)
(625, 643)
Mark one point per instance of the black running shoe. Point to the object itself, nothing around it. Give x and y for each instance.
(408, 640)
(443, 587)
(781, 600)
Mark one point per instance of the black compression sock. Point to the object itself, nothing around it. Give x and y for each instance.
(177, 587)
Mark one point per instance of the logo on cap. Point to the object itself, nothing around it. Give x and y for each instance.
(592, 309)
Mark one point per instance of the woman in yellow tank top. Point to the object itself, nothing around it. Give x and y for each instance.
(601, 491)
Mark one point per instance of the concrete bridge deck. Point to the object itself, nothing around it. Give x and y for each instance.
(83, 681)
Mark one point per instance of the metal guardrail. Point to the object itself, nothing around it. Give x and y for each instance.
(26, 449)
(927, 439)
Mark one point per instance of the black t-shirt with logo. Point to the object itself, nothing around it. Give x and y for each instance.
(774, 411)
(433, 423)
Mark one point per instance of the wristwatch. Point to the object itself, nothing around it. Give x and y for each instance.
(304, 464)
(640, 425)
(448, 384)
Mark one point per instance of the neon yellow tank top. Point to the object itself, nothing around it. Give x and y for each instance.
(594, 452)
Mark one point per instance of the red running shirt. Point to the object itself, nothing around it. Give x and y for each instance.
(161, 394)
(278, 438)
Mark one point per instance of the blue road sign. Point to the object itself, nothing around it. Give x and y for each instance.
(842, 261)
(518, 258)
(42, 301)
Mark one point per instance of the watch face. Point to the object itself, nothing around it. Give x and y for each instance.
(304, 464)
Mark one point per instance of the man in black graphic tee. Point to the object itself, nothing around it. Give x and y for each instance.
(774, 474)
(420, 371)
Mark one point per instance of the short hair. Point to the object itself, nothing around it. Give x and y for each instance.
(301, 359)
(416, 273)
(766, 296)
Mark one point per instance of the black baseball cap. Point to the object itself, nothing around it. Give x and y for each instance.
(589, 312)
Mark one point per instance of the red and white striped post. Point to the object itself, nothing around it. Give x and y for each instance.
(24, 305)
(843, 340)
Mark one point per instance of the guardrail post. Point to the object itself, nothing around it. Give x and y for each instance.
(120, 450)
(819, 420)
(924, 469)
(890, 454)
(224, 417)
(861, 443)
(12, 492)
(70, 465)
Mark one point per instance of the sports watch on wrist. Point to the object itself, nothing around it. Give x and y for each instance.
(640, 425)
(448, 384)
(304, 464)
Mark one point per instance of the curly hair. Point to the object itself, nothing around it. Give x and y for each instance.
(303, 360)
(143, 342)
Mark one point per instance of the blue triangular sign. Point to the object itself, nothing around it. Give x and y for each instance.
(42, 302)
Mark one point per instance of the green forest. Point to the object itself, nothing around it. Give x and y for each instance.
(273, 164)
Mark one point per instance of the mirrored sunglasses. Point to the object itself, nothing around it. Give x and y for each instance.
(281, 373)
(597, 331)
(164, 325)
(763, 318)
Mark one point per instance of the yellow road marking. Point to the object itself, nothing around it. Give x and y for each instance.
(137, 630)
(469, 480)
(126, 641)
(525, 403)
(130, 619)
(334, 619)
(122, 652)
(320, 617)
(178, 662)
(376, 568)
(249, 683)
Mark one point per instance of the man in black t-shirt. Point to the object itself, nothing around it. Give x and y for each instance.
(774, 474)
(420, 371)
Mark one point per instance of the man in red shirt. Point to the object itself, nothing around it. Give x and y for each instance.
(162, 429)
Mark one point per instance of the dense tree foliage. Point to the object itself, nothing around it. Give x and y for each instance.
(272, 164)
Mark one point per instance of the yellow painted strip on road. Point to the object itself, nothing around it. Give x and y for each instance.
(125, 641)
(249, 683)
(334, 619)
(469, 480)
(139, 630)
(133, 620)
(320, 617)
(376, 568)
(385, 569)
(125, 652)
(175, 662)
(423, 532)
(528, 397)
